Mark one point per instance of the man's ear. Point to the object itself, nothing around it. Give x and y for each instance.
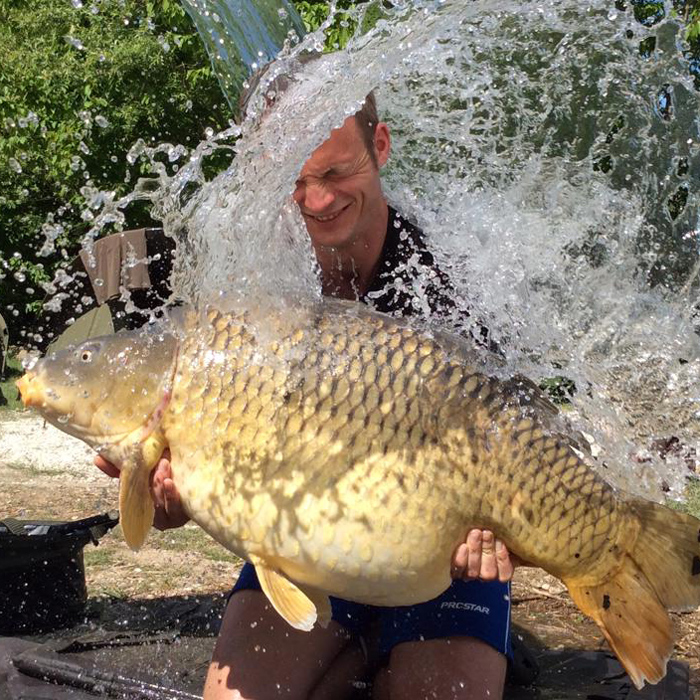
(382, 143)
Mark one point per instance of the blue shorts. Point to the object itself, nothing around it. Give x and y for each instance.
(467, 608)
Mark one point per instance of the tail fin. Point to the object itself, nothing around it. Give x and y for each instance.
(661, 572)
(668, 552)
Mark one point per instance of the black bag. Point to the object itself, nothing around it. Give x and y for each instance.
(42, 574)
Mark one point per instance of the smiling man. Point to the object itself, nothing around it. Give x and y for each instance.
(340, 197)
(452, 647)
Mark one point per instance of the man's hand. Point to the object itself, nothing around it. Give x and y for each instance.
(483, 556)
(169, 511)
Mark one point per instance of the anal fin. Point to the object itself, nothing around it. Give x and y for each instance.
(300, 609)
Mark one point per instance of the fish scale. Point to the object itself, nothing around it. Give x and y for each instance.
(381, 431)
(344, 453)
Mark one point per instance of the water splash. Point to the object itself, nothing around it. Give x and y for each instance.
(242, 36)
(553, 165)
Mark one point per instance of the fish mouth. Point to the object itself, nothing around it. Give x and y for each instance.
(28, 392)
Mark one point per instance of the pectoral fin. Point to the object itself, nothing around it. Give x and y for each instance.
(135, 503)
(293, 604)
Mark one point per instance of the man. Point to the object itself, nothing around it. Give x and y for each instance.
(453, 647)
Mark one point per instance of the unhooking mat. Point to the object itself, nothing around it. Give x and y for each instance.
(83, 670)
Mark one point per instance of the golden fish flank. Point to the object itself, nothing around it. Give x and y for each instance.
(342, 452)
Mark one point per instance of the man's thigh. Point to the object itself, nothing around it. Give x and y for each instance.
(452, 668)
(259, 656)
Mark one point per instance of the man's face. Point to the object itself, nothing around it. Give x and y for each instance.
(338, 190)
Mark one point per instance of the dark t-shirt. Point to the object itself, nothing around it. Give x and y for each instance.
(409, 282)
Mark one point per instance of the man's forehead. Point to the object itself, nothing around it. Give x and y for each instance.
(343, 146)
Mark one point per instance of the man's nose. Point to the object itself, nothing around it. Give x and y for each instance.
(316, 196)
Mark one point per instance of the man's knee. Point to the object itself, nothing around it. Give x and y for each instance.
(452, 667)
(258, 655)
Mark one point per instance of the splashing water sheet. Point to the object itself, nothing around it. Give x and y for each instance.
(538, 148)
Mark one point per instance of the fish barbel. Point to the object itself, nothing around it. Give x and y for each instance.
(343, 452)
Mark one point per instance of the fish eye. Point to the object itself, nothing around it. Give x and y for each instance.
(86, 354)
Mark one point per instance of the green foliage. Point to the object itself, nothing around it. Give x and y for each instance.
(82, 80)
(314, 14)
(13, 371)
(78, 86)
(344, 25)
(649, 13)
(691, 499)
(689, 10)
(559, 389)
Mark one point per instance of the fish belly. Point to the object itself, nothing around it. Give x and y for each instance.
(356, 537)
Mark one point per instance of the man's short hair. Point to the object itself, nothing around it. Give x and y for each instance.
(367, 117)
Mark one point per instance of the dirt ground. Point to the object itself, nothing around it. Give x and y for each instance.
(45, 474)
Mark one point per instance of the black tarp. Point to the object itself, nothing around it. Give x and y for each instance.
(173, 667)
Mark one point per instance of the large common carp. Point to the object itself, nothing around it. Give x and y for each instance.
(342, 452)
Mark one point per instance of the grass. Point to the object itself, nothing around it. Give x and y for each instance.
(13, 371)
(194, 539)
(691, 502)
(98, 556)
(28, 469)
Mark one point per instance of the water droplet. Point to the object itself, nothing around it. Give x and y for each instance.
(101, 121)
(77, 4)
(20, 276)
(99, 282)
(14, 165)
